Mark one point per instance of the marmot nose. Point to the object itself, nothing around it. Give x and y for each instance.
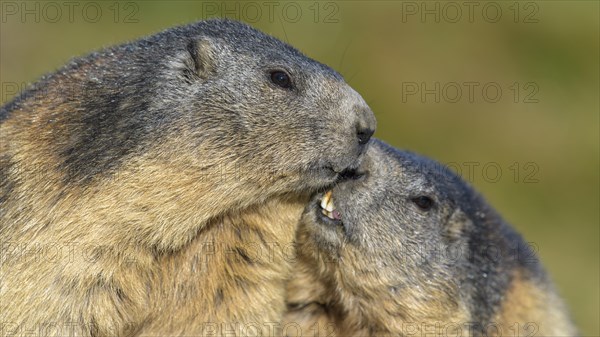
(363, 134)
(365, 125)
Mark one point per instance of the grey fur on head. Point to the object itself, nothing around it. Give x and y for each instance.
(209, 82)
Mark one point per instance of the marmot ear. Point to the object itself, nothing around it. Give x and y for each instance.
(457, 223)
(203, 56)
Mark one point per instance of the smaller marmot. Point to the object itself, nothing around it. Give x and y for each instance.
(409, 249)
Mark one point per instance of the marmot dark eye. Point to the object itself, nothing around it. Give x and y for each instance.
(423, 202)
(281, 79)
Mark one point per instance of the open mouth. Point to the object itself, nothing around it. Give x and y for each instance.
(327, 211)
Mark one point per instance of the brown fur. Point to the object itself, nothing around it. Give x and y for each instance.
(532, 308)
(159, 293)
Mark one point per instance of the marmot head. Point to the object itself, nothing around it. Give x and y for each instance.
(395, 244)
(209, 117)
(215, 97)
(286, 121)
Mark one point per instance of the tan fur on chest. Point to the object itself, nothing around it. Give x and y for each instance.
(231, 278)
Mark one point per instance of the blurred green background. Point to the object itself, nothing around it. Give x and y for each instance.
(504, 92)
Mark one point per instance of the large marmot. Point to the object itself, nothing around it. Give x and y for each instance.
(409, 249)
(133, 181)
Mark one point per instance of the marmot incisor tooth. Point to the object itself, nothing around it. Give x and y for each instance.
(409, 249)
(134, 159)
